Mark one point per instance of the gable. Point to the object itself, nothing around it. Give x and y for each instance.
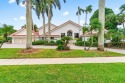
(22, 32)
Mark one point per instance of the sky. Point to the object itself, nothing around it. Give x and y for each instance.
(13, 14)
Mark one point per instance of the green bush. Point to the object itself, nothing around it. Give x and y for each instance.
(60, 47)
(63, 43)
(40, 42)
(52, 43)
(59, 42)
(79, 43)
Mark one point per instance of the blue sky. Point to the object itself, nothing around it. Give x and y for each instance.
(13, 14)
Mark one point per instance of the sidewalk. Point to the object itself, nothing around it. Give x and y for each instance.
(61, 61)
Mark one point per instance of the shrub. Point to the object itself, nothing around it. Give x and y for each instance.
(60, 47)
(59, 42)
(63, 43)
(40, 42)
(52, 43)
(79, 43)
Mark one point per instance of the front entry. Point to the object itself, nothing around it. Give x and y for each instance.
(69, 33)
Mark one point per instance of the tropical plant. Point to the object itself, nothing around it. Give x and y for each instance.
(102, 20)
(85, 29)
(95, 26)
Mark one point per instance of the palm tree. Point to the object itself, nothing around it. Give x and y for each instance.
(122, 8)
(102, 20)
(78, 13)
(86, 11)
(50, 4)
(122, 11)
(40, 8)
(28, 22)
(121, 18)
(84, 30)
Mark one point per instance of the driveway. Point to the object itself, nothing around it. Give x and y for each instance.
(54, 47)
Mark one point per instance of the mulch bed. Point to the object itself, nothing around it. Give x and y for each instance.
(29, 51)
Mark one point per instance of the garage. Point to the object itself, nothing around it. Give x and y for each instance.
(19, 41)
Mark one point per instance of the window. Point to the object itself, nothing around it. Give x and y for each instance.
(52, 37)
(62, 34)
(76, 35)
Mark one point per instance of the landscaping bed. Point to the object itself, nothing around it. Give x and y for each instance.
(9, 53)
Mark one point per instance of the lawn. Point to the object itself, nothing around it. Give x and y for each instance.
(82, 73)
(51, 53)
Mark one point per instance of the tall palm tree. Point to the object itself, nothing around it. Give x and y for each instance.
(28, 22)
(86, 11)
(102, 20)
(122, 12)
(50, 4)
(78, 13)
(40, 8)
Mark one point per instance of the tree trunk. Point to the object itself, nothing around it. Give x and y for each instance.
(29, 24)
(84, 44)
(49, 21)
(78, 19)
(33, 29)
(102, 20)
(86, 19)
(123, 25)
(43, 25)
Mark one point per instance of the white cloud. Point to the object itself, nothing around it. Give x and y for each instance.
(22, 5)
(65, 13)
(15, 19)
(11, 1)
(82, 22)
(22, 17)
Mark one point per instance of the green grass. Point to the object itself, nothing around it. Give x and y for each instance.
(51, 53)
(82, 73)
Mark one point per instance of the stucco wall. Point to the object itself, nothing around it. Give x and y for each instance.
(65, 29)
(46, 29)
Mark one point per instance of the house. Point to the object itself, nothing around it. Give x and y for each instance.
(68, 28)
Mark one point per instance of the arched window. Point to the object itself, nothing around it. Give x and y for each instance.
(69, 33)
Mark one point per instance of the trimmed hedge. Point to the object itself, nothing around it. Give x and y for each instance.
(44, 42)
(115, 44)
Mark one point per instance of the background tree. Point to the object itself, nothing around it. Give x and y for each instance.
(112, 21)
(95, 25)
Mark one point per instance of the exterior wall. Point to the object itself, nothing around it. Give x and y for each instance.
(46, 29)
(65, 29)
